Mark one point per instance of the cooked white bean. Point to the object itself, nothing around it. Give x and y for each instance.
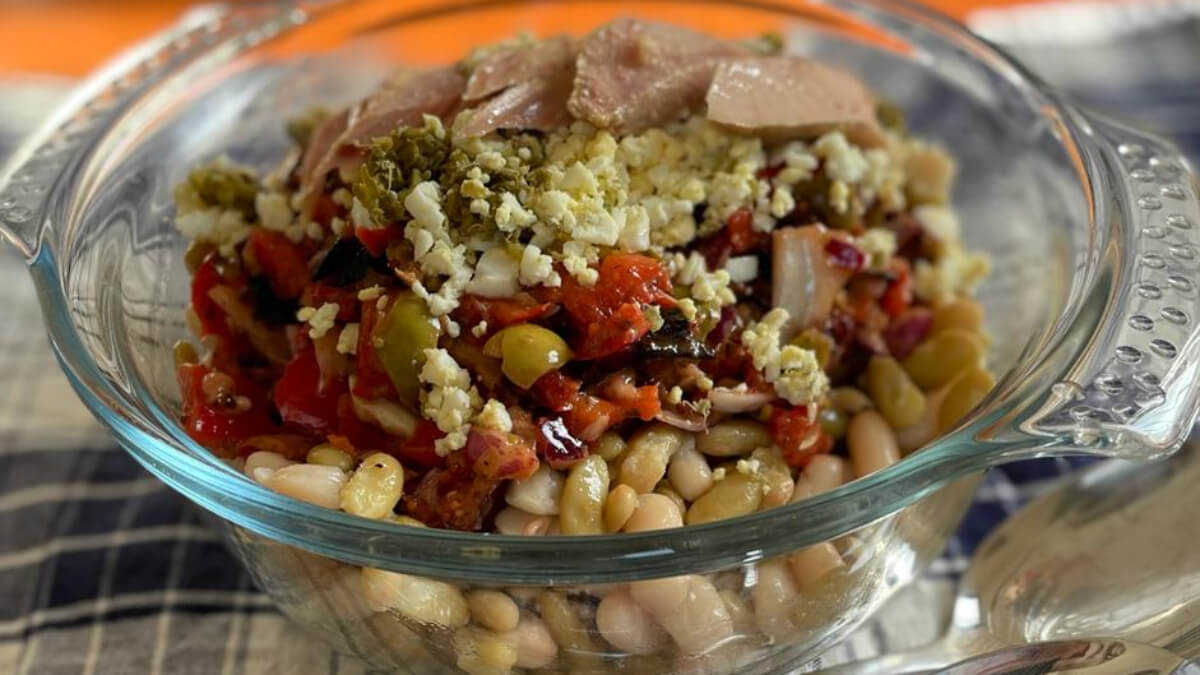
(374, 488)
(738, 494)
(539, 494)
(871, 443)
(482, 652)
(493, 610)
(689, 472)
(810, 565)
(423, 600)
(564, 624)
(776, 476)
(619, 506)
(626, 626)
(825, 472)
(264, 459)
(917, 435)
(739, 614)
(554, 528)
(664, 488)
(774, 594)
(583, 496)
(610, 445)
(733, 438)
(646, 457)
(515, 521)
(535, 646)
(688, 607)
(312, 483)
(654, 512)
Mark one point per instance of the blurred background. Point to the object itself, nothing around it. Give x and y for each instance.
(105, 571)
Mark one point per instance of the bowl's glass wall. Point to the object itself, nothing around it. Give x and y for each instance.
(1018, 195)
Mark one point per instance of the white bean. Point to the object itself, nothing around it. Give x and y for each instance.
(688, 607)
(312, 483)
(535, 646)
(810, 565)
(264, 459)
(917, 435)
(493, 610)
(871, 443)
(654, 512)
(733, 438)
(539, 494)
(689, 472)
(423, 600)
(644, 462)
(774, 594)
(621, 503)
(626, 626)
(482, 652)
(515, 521)
(825, 472)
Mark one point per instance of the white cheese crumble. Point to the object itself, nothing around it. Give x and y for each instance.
(272, 209)
(348, 339)
(748, 467)
(878, 245)
(956, 272)
(718, 474)
(939, 221)
(480, 329)
(320, 319)
(495, 274)
(450, 402)
(360, 216)
(537, 268)
(370, 293)
(795, 372)
(494, 416)
(675, 395)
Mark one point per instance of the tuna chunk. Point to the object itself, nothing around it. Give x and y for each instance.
(401, 100)
(792, 97)
(533, 82)
(508, 65)
(632, 75)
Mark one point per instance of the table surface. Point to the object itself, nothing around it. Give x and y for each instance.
(86, 33)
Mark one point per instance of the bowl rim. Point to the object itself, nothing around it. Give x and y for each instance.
(158, 442)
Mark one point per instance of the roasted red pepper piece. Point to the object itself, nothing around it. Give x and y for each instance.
(282, 262)
(498, 455)
(317, 294)
(608, 316)
(215, 428)
(302, 402)
(453, 497)
(212, 317)
(798, 435)
(500, 312)
(371, 380)
(898, 295)
(376, 239)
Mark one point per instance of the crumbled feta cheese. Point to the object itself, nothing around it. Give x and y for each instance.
(687, 307)
(337, 225)
(511, 215)
(956, 272)
(718, 474)
(494, 416)
(843, 161)
(839, 196)
(480, 329)
(450, 326)
(343, 198)
(360, 216)
(795, 372)
(348, 339)
(272, 209)
(320, 319)
(577, 258)
(653, 314)
(313, 231)
(537, 268)
(423, 203)
(878, 245)
(491, 160)
(939, 222)
(495, 275)
(675, 395)
(370, 293)
(748, 467)
(451, 401)
(742, 269)
(782, 201)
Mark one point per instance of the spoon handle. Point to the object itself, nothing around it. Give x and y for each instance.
(955, 646)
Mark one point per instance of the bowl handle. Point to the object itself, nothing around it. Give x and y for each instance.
(1129, 387)
(53, 154)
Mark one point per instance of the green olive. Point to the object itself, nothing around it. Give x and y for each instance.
(527, 352)
(401, 339)
(833, 421)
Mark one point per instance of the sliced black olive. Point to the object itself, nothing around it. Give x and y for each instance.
(345, 263)
(674, 339)
(268, 307)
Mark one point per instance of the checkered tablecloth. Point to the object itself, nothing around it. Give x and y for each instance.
(104, 571)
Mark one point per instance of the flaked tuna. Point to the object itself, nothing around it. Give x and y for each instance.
(528, 86)
(508, 65)
(632, 75)
(792, 97)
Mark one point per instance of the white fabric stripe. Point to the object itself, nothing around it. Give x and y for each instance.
(43, 552)
(234, 639)
(148, 599)
(58, 492)
(162, 628)
(96, 635)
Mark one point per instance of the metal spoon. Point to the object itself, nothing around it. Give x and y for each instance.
(1113, 550)
(1082, 657)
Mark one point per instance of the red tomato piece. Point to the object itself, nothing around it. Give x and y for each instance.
(283, 262)
(419, 448)
(555, 391)
(301, 401)
(500, 312)
(317, 294)
(371, 380)
(218, 429)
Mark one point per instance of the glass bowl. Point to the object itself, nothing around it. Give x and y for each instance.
(1092, 226)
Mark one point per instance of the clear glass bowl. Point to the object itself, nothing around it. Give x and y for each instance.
(1093, 227)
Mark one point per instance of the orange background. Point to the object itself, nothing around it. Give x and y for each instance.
(70, 37)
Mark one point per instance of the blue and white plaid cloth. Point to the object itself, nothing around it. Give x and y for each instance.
(105, 571)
